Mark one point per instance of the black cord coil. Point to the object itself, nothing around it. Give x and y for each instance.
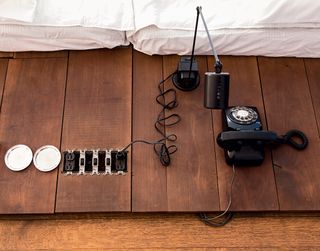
(289, 138)
(167, 99)
(161, 147)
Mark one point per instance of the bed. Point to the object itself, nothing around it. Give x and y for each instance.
(268, 28)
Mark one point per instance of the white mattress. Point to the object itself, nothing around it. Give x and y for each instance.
(43, 38)
(296, 42)
(57, 24)
(237, 27)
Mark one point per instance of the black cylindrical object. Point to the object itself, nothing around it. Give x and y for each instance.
(216, 90)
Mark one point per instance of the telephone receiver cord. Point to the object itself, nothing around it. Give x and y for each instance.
(289, 139)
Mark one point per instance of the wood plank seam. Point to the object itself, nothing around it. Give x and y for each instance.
(131, 155)
(192, 179)
(214, 147)
(267, 128)
(32, 119)
(149, 180)
(216, 163)
(61, 133)
(164, 126)
(254, 188)
(4, 84)
(97, 115)
(312, 98)
(297, 179)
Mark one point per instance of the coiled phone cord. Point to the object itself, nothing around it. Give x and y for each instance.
(288, 139)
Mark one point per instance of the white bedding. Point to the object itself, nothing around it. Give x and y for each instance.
(43, 38)
(114, 15)
(237, 27)
(72, 24)
(17, 10)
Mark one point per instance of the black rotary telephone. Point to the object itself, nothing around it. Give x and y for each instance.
(243, 138)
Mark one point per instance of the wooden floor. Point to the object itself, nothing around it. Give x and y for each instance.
(106, 98)
(43, 99)
(159, 232)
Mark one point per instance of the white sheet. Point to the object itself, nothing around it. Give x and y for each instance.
(219, 14)
(17, 10)
(72, 24)
(237, 27)
(115, 15)
(43, 38)
(285, 42)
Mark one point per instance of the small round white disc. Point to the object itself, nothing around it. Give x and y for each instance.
(18, 157)
(243, 113)
(47, 158)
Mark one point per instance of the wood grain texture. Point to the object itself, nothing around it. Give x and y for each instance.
(97, 115)
(312, 66)
(192, 177)
(254, 188)
(160, 231)
(6, 54)
(3, 74)
(41, 54)
(289, 106)
(149, 179)
(31, 114)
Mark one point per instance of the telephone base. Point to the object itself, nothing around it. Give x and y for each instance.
(247, 156)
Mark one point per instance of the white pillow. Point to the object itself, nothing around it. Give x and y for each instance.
(167, 14)
(17, 10)
(71, 24)
(115, 15)
(237, 27)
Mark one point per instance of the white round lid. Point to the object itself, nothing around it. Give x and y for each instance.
(18, 157)
(47, 158)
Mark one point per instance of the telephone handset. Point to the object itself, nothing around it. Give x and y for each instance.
(243, 138)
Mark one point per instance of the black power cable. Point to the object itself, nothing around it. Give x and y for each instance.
(223, 218)
(161, 147)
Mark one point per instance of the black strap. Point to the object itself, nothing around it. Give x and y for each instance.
(288, 138)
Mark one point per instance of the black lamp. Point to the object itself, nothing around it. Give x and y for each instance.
(187, 77)
(216, 91)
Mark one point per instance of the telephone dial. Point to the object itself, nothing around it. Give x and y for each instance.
(243, 138)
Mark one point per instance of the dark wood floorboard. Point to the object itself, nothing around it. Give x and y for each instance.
(38, 54)
(288, 105)
(254, 187)
(31, 114)
(107, 98)
(97, 116)
(313, 74)
(6, 54)
(192, 176)
(3, 74)
(149, 177)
